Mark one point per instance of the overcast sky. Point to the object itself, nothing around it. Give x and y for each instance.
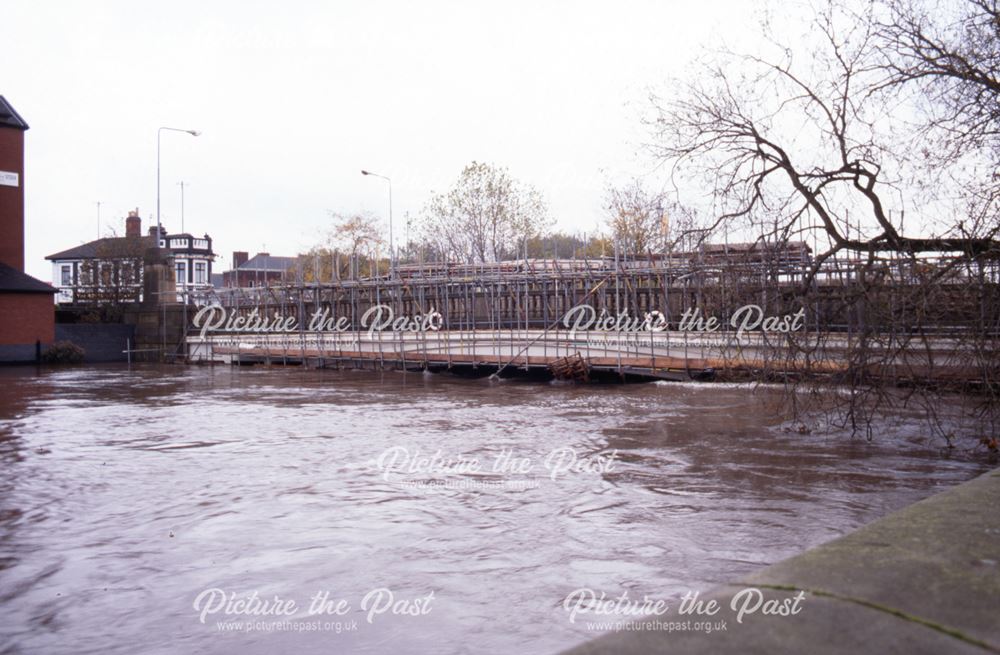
(293, 99)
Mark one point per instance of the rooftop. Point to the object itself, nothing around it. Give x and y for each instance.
(268, 263)
(9, 117)
(106, 247)
(14, 281)
(117, 247)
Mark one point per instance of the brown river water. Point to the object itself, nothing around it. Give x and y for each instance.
(443, 515)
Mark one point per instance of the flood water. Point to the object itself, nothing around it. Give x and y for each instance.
(126, 494)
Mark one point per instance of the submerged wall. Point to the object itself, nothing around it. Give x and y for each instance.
(103, 342)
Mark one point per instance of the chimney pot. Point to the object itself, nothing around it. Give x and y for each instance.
(133, 225)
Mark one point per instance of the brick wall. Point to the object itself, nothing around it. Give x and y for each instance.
(101, 342)
(12, 200)
(26, 318)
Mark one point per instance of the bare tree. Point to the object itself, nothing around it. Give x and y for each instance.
(636, 218)
(946, 58)
(485, 217)
(359, 236)
(789, 146)
(356, 234)
(951, 54)
(351, 248)
(112, 280)
(876, 139)
(644, 222)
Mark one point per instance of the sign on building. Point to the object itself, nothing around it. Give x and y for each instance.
(8, 179)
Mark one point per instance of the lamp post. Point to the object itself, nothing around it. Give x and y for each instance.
(159, 131)
(392, 249)
(182, 184)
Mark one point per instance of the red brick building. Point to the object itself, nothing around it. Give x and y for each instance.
(261, 270)
(27, 318)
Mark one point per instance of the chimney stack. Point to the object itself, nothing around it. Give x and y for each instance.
(240, 257)
(133, 225)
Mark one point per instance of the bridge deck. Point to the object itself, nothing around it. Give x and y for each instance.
(662, 355)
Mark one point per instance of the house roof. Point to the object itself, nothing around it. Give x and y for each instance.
(9, 117)
(268, 263)
(14, 281)
(99, 248)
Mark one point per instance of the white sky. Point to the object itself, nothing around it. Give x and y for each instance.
(294, 98)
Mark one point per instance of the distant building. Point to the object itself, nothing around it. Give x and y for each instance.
(794, 253)
(263, 269)
(28, 322)
(193, 259)
(109, 270)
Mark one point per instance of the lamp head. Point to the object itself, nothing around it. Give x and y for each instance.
(194, 132)
(365, 173)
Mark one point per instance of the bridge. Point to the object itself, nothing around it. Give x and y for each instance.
(510, 319)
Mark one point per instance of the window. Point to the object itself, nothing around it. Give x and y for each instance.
(66, 275)
(181, 273)
(200, 272)
(106, 275)
(128, 272)
(88, 275)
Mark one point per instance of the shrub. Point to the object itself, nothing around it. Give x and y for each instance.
(63, 352)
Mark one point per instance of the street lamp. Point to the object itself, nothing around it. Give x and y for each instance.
(392, 249)
(159, 131)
